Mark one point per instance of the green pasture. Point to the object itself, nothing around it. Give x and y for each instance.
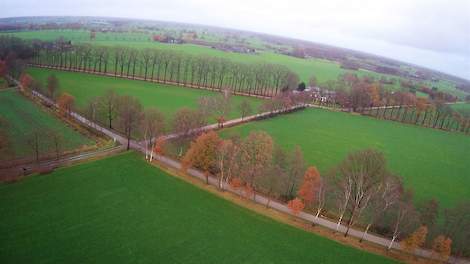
(166, 98)
(23, 117)
(122, 210)
(432, 162)
(324, 70)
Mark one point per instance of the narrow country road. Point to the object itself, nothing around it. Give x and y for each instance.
(29, 167)
(259, 197)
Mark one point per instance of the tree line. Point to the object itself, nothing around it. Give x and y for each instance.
(368, 96)
(168, 67)
(360, 191)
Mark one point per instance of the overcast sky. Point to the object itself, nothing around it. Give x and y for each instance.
(431, 33)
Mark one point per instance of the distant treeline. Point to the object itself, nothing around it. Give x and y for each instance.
(168, 67)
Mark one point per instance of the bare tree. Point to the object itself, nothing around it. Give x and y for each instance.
(153, 125)
(187, 121)
(256, 154)
(387, 195)
(129, 115)
(92, 108)
(271, 180)
(405, 216)
(205, 104)
(363, 172)
(296, 169)
(109, 105)
(57, 141)
(52, 86)
(456, 223)
(227, 161)
(33, 141)
(245, 108)
(320, 199)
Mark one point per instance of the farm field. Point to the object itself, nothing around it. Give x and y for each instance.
(432, 162)
(464, 109)
(23, 117)
(166, 98)
(324, 70)
(122, 210)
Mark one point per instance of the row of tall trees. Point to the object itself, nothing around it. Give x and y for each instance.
(168, 66)
(367, 96)
(360, 191)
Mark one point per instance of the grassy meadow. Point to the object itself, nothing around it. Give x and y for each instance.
(432, 162)
(23, 117)
(464, 108)
(122, 210)
(324, 70)
(166, 98)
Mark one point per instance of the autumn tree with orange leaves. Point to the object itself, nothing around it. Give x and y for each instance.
(236, 183)
(421, 106)
(159, 147)
(415, 240)
(25, 82)
(296, 206)
(441, 247)
(65, 103)
(202, 153)
(310, 185)
(256, 155)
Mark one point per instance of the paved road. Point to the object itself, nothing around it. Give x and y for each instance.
(259, 198)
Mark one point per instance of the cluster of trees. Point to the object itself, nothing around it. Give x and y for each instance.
(168, 66)
(424, 112)
(366, 95)
(359, 93)
(43, 141)
(14, 52)
(360, 191)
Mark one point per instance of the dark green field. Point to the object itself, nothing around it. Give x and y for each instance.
(167, 98)
(121, 210)
(23, 117)
(434, 163)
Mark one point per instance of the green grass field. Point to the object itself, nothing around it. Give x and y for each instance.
(23, 116)
(166, 98)
(122, 210)
(464, 109)
(324, 70)
(434, 163)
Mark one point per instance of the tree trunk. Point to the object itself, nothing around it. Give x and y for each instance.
(339, 221)
(391, 242)
(269, 201)
(350, 221)
(317, 215)
(365, 233)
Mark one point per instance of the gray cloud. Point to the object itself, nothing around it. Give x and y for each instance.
(431, 33)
